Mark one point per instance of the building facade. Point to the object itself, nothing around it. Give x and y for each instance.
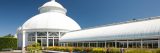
(143, 33)
(52, 27)
(47, 27)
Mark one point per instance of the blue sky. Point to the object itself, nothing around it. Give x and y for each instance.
(88, 13)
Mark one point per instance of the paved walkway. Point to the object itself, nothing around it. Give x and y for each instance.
(19, 51)
(55, 52)
(14, 51)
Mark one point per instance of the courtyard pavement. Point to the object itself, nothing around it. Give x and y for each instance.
(19, 51)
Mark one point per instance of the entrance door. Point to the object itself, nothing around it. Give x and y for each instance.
(42, 42)
(39, 41)
(50, 42)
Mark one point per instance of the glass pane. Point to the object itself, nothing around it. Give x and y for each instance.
(30, 36)
(41, 33)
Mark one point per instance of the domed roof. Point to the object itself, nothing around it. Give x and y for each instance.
(52, 16)
(52, 6)
(51, 20)
(53, 3)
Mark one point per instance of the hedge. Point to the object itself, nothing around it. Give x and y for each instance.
(8, 43)
(138, 51)
(103, 50)
(84, 50)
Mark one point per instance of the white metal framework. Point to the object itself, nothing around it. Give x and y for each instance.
(125, 33)
(47, 27)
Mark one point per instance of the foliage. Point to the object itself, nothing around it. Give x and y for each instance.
(143, 50)
(78, 49)
(98, 50)
(9, 36)
(65, 49)
(138, 51)
(81, 50)
(114, 50)
(33, 47)
(156, 50)
(8, 43)
(103, 50)
(87, 50)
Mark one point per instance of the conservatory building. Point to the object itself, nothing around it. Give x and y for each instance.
(140, 33)
(52, 27)
(47, 27)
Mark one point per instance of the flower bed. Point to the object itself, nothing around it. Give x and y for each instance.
(87, 50)
(33, 48)
(103, 50)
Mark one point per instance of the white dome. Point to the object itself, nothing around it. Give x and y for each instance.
(51, 20)
(52, 6)
(53, 16)
(52, 3)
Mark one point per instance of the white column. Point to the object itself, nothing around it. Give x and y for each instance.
(152, 43)
(53, 41)
(141, 43)
(127, 44)
(105, 44)
(31, 38)
(36, 37)
(147, 43)
(158, 43)
(47, 39)
(82, 44)
(64, 44)
(77, 44)
(60, 44)
(115, 44)
(41, 42)
(59, 35)
(123, 45)
(72, 44)
(67, 44)
(23, 40)
(136, 44)
(89, 44)
(96, 44)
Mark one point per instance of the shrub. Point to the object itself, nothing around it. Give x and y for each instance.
(87, 50)
(98, 50)
(33, 47)
(78, 49)
(138, 51)
(156, 50)
(8, 43)
(114, 50)
(65, 49)
(102, 50)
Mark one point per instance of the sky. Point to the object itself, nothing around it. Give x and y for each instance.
(87, 13)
